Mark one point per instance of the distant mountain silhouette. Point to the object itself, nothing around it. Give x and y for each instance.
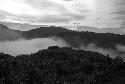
(44, 32)
(75, 38)
(103, 30)
(22, 27)
(7, 34)
(27, 27)
(3, 27)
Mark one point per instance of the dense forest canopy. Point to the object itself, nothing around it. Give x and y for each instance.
(61, 66)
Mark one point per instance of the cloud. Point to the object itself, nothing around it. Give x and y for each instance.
(97, 13)
(68, 0)
(121, 2)
(62, 18)
(120, 12)
(16, 7)
(36, 11)
(30, 46)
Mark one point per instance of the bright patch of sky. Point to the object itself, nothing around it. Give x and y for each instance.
(96, 13)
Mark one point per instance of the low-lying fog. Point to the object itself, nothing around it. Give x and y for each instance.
(23, 46)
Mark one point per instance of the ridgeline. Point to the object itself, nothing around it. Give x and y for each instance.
(61, 66)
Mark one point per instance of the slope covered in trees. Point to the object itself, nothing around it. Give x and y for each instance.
(44, 32)
(103, 40)
(75, 38)
(61, 66)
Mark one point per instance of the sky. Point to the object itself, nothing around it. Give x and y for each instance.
(95, 13)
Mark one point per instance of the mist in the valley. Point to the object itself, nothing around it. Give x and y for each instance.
(78, 43)
(24, 46)
(111, 52)
(118, 51)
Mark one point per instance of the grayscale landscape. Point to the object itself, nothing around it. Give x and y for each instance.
(62, 42)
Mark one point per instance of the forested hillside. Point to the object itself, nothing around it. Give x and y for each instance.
(44, 32)
(103, 40)
(61, 66)
(75, 38)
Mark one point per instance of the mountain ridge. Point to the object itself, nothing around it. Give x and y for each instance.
(27, 27)
(61, 66)
(110, 39)
(102, 30)
(7, 34)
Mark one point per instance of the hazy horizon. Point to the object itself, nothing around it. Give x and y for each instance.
(94, 13)
(91, 15)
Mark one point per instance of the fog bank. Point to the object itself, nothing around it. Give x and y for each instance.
(23, 46)
(92, 47)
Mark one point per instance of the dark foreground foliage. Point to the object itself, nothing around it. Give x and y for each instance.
(61, 66)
